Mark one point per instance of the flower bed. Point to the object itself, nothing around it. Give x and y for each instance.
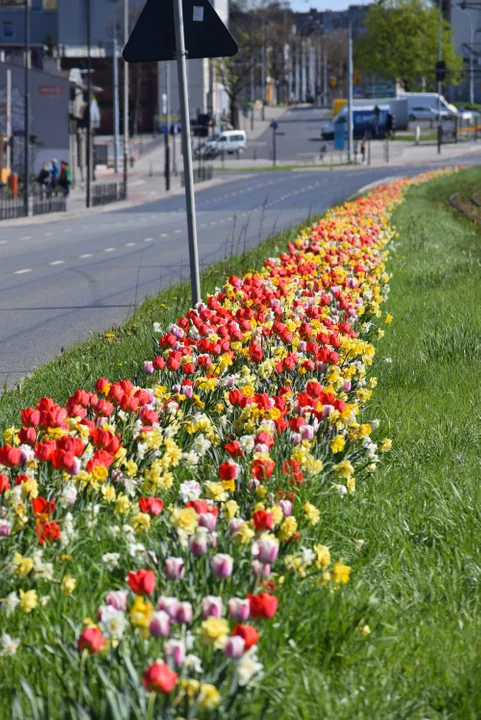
(148, 534)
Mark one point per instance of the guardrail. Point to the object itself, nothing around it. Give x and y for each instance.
(108, 193)
(201, 174)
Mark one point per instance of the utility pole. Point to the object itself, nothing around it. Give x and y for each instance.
(298, 72)
(263, 67)
(325, 78)
(440, 84)
(89, 105)
(116, 104)
(8, 123)
(318, 75)
(303, 71)
(187, 151)
(26, 125)
(167, 136)
(349, 99)
(126, 99)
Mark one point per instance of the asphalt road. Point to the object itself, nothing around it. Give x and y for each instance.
(298, 135)
(61, 280)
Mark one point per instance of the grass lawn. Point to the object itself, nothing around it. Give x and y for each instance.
(416, 579)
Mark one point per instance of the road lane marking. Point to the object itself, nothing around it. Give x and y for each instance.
(3, 242)
(27, 237)
(87, 255)
(130, 244)
(68, 230)
(164, 234)
(177, 232)
(109, 249)
(21, 272)
(48, 233)
(148, 239)
(57, 262)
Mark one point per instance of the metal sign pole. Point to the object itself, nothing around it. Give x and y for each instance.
(187, 151)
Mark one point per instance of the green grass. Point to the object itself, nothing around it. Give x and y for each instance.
(416, 580)
(121, 356)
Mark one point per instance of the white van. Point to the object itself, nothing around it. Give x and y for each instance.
(416, 101)
(231, 141)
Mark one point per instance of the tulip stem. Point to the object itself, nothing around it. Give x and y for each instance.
(150, 708)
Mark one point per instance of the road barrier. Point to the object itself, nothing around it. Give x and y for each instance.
(201, 174)
(108, 193)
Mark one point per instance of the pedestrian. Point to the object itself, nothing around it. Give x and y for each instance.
(43, 178)
(377, 116)
(363, 153)
(68, 179)
(54, 174)
(389, 124)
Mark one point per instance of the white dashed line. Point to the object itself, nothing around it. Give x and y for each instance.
(109, 249)
(164, 234)
(68, 230)
(48, 233)
(148, 239)
(130, 244)
(57, 262)
(203, 225)
(3, 242)
(177, 232)
(27, 237)
(87, 255)
(21, 272)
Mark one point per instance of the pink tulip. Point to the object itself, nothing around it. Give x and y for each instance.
(175, 650)
(208, 521)
(159, 624)
(174, 568)
(239, 609)
(169, 604)
(234, 647)
(222, 565)
(211, 606)
(184, 613)
(117, 599)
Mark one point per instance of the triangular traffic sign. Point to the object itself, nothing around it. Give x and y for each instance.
(153, 37)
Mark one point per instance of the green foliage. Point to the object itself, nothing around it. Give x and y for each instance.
(402, 44)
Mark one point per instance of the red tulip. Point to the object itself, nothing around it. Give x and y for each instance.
(151, 506)
(263, 520)
(263, 606)
(142, 582)
(159, 678)
(91, 639)
(248, 634)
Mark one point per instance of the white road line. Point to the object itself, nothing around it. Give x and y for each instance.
(109, 249)
(177, 232)
(48, 233)
(3, 242)
(21, 272)
(87, 255)
(148, 239)
(68, 230)
(57, 262)
(164, 235)
(27, 237)
(130, 244)
(204, 225)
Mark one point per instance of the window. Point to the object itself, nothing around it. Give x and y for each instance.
(12, 3)
(235, 138)
(8, 30)
(49, 4)
(222, 139)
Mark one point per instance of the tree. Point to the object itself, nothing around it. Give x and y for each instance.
(234, 72)
(402, 44)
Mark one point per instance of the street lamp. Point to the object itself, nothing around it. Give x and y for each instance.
(462, 7)
(26, 124)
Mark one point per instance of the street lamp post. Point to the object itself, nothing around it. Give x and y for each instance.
(126, 98)
(89, 104)
(440, 57)
(349, 99)
(26, 126)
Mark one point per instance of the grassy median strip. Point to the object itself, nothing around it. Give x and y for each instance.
(412, 534)
(118, 352)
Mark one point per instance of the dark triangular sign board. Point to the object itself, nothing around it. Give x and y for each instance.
(153, 37)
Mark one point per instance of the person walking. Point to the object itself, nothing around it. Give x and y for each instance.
(65, 177)
(54, 174)
(43, 178)
(363, 152)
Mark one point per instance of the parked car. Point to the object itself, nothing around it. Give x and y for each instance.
(422, 112)
(365, 122)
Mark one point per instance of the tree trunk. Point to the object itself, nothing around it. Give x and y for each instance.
(234, 113)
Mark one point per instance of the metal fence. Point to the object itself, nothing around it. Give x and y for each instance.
(201, 174)
(108, 193)
(43, 204)
(10, 208)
